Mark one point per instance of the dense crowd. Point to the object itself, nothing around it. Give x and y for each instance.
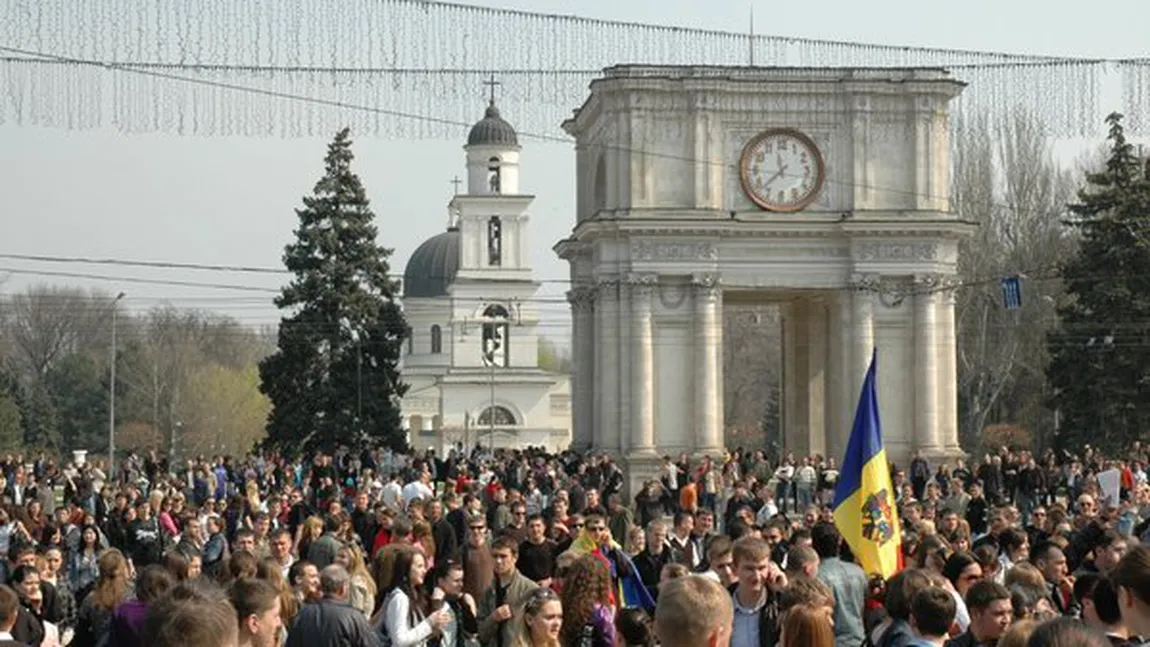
(523, 548)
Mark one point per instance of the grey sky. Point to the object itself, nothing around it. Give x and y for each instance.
(231, 200)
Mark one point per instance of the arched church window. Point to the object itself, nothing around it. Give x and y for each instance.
(502, 417)
(493, 180)
(494, 241)
(436, 340)
(496, 336)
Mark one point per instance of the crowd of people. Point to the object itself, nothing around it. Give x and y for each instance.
(519, 548)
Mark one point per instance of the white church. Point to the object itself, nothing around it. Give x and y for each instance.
(470, 300)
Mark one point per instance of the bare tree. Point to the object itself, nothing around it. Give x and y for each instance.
(751, 361)
(1008, 182)
(46, 323)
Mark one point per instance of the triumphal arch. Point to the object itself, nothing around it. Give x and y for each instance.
(823, 190)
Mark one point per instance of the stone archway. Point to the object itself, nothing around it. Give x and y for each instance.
(861, 257)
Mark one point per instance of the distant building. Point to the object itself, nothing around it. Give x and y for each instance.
(470, 300)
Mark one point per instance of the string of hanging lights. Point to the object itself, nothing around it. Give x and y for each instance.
(430, 58)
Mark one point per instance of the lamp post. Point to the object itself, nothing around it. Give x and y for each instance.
(112, 392)
(491, 410)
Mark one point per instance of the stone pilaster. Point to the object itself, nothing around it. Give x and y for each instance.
(865, 287)
(927, 435)
(947, 358)
(708, 364)
(642, 364)
(606, 431)
(582, 300)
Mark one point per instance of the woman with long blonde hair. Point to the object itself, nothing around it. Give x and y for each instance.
(542, 620)
(95, 616)
(310, 530)
(363, 589)
(271, 572)
(588, 615)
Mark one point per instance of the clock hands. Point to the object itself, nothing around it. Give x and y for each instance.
(777, 175)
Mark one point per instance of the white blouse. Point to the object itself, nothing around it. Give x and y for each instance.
(396, 619)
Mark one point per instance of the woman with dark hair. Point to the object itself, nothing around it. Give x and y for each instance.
(634, 628)
(83, 562)
(1131, 578)
(588, 615)
(403, 616)
(901, 589)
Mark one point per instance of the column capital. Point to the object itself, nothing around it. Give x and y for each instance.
(582, 298)
(707, 286)
(606, 285)
(642, 284)
(865, 282)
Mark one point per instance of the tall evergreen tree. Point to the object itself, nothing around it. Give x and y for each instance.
(334, 377)
(1100, 353)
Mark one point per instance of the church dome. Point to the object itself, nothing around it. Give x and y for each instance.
(432, 267)
(492, 130)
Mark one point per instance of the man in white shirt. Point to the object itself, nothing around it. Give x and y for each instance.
(279, 546)
(391, 495)
(420, 488)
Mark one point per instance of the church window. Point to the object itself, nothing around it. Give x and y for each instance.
(496, 415)
(436, 340)
(494, 241)
(410, 341)
(496, 334)
(493, 169)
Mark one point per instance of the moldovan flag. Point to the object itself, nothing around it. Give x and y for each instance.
(864, 504)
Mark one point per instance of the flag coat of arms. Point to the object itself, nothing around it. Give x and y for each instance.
(864, 503)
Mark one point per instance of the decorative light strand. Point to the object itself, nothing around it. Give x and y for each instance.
(428, 57)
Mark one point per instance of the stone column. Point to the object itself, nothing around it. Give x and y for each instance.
(862, 332)
(708, 364)
(642, 365)
(606, 386)
(926, 354)
(947, 381)
(817, 353)
(582, 300)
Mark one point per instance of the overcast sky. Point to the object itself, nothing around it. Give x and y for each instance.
(230, 200)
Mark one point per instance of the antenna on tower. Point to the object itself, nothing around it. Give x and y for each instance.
(751, 38)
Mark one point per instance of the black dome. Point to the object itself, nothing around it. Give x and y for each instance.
(432, 267)
(492, 130)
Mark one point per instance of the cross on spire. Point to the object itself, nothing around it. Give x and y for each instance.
(492, 84)
(456, 181)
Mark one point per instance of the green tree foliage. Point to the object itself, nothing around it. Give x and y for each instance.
(334, 377)
(79, 392)
(1100, 353)
(552, 357)
(41, 420)
(11, 424)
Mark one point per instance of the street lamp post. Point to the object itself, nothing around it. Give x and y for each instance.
(112, 392)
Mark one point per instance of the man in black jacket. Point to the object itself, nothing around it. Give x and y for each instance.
(332, 622)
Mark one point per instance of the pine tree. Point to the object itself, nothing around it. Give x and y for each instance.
(1100, 352)
(334, 378)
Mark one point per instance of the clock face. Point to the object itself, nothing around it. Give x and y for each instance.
(782, 170)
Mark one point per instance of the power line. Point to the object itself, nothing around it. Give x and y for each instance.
(187, 266)
(129, 279)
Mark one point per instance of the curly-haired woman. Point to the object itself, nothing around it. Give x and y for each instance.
(588, 615)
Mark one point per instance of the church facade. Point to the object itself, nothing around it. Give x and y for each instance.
(469, 295)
